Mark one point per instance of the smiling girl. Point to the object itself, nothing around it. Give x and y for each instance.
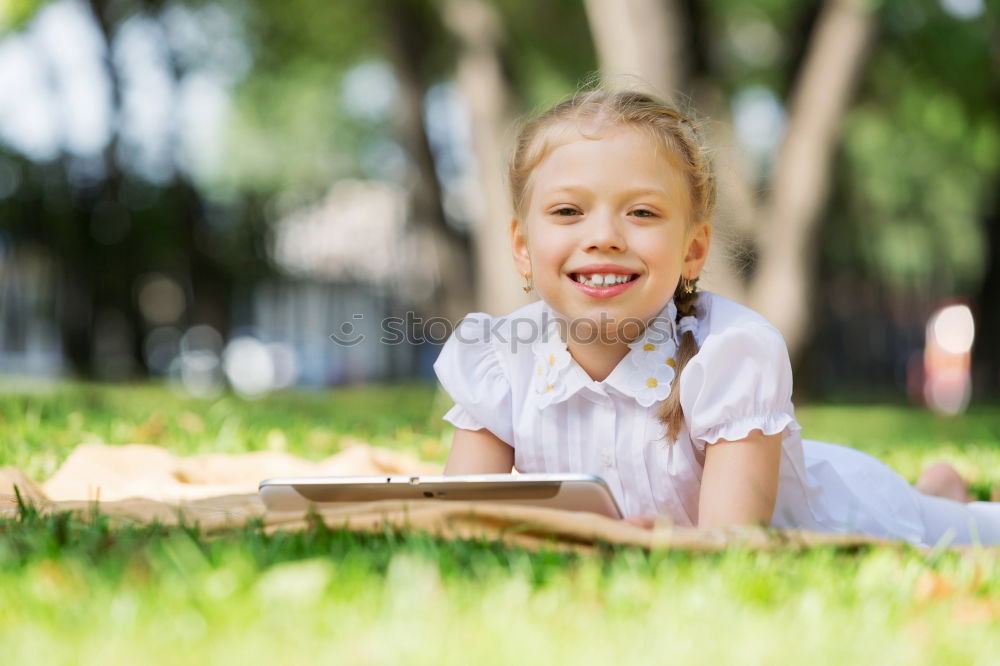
(680, 399)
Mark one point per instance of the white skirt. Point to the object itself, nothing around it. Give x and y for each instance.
(855, 492)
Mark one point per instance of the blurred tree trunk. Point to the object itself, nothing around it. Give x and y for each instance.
(489, 96)
(112, 285)
(99, 279)
(75, 299)
(644, 39)
(784, 282)
(782, 225)
(407, 27)
(211, 283)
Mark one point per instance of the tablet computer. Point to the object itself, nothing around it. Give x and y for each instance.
(570, 492)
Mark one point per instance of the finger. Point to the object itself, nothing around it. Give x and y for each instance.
(645, 521)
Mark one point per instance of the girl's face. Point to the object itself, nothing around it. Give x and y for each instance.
(607, 232)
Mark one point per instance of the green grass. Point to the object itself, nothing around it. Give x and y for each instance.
(74, 590)
(909, 439)
(38, 430)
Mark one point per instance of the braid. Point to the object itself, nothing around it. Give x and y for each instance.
(671, 415)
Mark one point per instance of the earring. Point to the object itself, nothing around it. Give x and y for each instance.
(688, 285)
(527, 283)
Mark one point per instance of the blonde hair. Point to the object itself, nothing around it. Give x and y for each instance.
(671, 130)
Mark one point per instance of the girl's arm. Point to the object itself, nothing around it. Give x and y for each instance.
(479, 452)
(739, 484)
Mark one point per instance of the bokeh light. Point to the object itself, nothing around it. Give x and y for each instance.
(202, 337)
(249, 366)
(286, 367)
(954, 329)
(161, 298)
(198, 373)
(947, 359)
(161, 347)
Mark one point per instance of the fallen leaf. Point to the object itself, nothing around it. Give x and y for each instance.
(932, 586)
(150, 431)
(191, 423)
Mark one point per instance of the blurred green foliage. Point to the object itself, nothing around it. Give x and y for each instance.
(922, 152)
(289, 130)
(921, 146)
(303, 50)
(15, 14)
(915, 173)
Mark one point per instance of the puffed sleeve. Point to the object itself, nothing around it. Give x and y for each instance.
(472, 372)
(739, 381)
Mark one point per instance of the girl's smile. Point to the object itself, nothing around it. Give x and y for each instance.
(603, 280)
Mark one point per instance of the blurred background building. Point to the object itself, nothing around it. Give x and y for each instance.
(206, 191)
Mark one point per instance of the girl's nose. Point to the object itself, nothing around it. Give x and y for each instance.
(604, 231)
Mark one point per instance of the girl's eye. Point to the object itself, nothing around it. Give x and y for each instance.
(565, 211)
(642, 212)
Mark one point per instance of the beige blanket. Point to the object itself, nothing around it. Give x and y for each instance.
(140, 483)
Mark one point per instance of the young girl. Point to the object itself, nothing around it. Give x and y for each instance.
(680, 399)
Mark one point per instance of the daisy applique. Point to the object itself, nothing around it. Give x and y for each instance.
(551, 360)
(651, 371)
(651, 354)
(652, 384)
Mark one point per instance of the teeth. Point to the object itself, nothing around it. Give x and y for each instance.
(602, 279)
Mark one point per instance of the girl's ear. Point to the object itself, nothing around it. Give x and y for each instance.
(519, 247)
(699, 240)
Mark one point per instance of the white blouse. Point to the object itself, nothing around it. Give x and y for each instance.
(526, 389)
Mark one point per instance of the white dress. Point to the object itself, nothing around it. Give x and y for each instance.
(514, 376)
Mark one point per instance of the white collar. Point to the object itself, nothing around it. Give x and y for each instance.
(645, 373)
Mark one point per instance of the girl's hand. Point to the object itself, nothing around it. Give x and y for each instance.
(645, 521)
